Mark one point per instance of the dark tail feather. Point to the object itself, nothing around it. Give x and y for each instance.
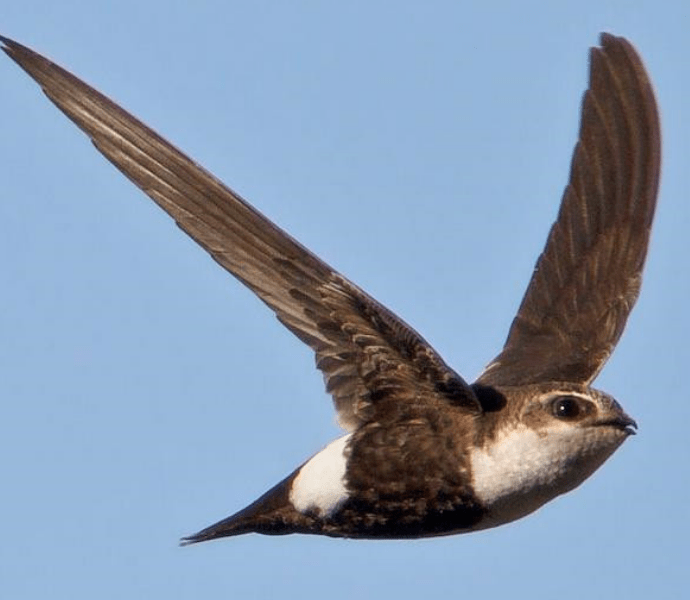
(271, 514)
(241, 522)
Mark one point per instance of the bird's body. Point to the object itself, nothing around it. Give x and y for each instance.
(425, 453)
(436, 472)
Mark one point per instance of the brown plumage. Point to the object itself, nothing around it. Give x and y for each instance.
(588, 278)
(413, 420)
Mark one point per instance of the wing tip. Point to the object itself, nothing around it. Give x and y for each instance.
(9, 46)
(13, 48)
(30, 61)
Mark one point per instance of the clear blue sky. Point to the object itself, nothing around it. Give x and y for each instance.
(422, 150)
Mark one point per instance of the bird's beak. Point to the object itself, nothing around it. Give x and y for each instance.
(622, 422)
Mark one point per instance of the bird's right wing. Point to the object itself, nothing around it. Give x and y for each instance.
(370, 358)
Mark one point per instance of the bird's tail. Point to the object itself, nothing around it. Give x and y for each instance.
(271, 514)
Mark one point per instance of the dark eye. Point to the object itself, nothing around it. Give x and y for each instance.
(566, 407)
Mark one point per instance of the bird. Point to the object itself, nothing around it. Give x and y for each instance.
(425, 453)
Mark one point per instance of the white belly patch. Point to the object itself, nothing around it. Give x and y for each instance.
(320, 483)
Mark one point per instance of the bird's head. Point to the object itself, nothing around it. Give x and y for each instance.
(546, 440)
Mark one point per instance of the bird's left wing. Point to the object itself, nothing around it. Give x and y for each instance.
(588, 277)
(368, 356)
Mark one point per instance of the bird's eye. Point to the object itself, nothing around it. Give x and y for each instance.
(566, 407)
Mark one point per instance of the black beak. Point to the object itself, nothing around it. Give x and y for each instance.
(623, 422)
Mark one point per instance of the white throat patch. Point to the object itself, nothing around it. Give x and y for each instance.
(320, 483)
(520, 471)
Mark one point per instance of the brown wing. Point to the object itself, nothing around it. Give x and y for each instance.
(367, 355)
(588, 277)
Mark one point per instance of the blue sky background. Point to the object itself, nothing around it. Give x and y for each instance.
(419, 148)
